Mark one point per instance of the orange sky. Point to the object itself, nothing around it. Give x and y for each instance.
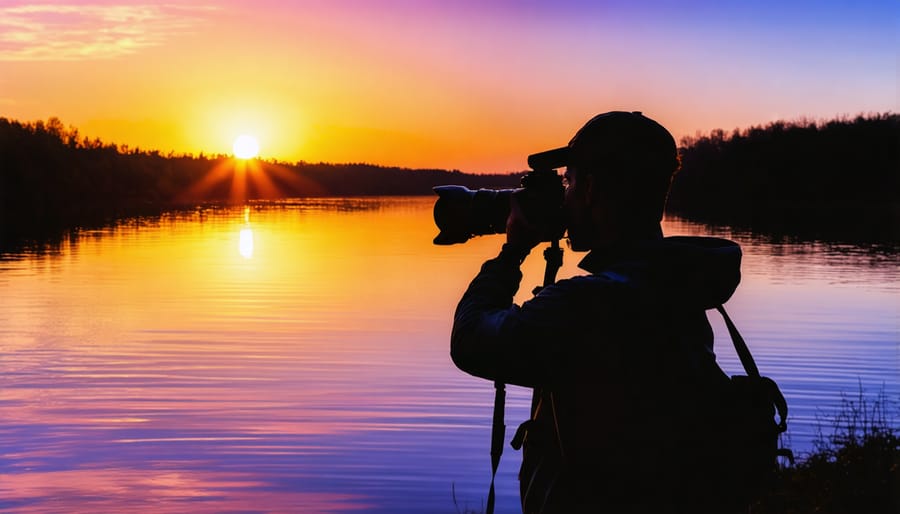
(476, 86)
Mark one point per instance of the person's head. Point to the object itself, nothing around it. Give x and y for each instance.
(619, 168)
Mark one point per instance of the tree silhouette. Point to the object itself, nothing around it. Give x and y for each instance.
(841, 174)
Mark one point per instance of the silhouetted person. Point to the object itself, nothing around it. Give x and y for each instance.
(621, 357)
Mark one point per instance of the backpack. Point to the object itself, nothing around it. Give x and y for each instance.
(741, 455)
(731, 443)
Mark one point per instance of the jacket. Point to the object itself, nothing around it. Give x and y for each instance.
(619, 358)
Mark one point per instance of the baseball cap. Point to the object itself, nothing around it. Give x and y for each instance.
(615, 134)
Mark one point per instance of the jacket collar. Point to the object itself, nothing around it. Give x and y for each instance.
(604, 257)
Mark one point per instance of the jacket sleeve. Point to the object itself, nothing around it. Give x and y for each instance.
(494, 338)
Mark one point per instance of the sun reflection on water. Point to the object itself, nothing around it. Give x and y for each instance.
(245, 244)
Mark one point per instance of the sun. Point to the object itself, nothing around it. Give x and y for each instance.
(246, 147)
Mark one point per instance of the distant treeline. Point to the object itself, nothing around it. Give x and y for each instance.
(52, 178)
(785, 176)
(842, 175)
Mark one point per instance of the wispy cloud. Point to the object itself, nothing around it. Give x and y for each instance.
(66, 32)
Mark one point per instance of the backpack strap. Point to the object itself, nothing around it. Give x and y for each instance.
(740, 346)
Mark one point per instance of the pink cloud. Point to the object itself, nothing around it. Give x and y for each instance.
(66, 31)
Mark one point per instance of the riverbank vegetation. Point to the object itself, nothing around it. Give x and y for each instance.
(854, 467)
(836, 176)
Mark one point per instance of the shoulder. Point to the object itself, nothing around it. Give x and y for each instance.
(607, 282)
(579, 294)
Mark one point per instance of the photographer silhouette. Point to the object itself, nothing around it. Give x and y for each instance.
(620, 358)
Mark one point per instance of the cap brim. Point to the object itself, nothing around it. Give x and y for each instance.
(549, 160)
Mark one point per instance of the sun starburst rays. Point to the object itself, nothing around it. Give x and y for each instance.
(239, 180)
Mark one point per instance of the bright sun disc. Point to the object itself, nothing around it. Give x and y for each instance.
(246, 147)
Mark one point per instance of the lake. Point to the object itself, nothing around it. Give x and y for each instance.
(294, 357)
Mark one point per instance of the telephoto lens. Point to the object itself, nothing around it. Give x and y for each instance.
(461, 213)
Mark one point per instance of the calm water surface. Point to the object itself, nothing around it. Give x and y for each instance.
(294, 358)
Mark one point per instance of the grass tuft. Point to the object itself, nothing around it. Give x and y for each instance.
(853, 469)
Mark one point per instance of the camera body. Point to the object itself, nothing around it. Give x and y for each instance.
(461, 213)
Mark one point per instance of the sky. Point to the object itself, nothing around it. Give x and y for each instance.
(474, 85)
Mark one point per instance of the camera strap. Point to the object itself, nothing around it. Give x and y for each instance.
(498, 431)
(553, 255)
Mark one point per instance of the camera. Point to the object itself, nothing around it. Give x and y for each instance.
(461, 213)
